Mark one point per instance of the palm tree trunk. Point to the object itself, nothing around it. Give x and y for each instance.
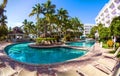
(45, 30)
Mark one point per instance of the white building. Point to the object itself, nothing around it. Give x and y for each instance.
(87, 28)
(108, 12)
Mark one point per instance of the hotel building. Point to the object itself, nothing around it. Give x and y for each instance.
(87, 28)
(108, 12)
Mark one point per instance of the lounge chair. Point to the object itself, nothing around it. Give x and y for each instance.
(90, 70)
(25, 72)
(7, 71)
(112, 55)
(109, 64)
(68, 73)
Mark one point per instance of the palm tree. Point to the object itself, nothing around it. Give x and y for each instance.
(49, 10)
(115, 26)
(3, 26)
(61, 19)
(3, 20)
(37, 9)
(28, 27)
(62, 13)
(2, 6)
(76, 25)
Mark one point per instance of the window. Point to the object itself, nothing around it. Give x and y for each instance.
(119, 7)
(102, 14)
(108, 16)
(103, 19)
(112, 6)
(117, 1)
(106, 11)
(114, 12)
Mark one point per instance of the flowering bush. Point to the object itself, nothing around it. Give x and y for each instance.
(110, 43)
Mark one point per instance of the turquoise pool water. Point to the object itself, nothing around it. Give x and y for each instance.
(23, 53)
(85, 43)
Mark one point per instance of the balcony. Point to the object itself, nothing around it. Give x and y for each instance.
(113, 12)
(117, 1)
(119, 7)
(106, 11)
(112, 6)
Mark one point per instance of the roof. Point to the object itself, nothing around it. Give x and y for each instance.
(16, 30)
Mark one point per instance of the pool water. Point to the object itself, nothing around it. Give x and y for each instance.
(84, 43)
(23, 53)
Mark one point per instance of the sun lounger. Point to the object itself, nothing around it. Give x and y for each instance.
(7, 71)
(25, 72)
(103, 69)
(109, 64)
(68, 73)
(112, 55)
(90, 70)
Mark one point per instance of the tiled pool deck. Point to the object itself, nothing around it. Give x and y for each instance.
(94, 54)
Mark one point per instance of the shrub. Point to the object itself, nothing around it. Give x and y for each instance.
(105, 45)
(57, 37)
(110, 43)
(42, 40)
(117, 45)
(67, 37)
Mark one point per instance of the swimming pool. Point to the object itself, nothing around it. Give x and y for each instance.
(84, 43)
(23, 53)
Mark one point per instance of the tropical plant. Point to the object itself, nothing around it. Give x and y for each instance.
(115, 26)
(110, 43)
(53, 22)
(104, 33)
(3, 20)
(43, 40)
(3, 27)
(77, 26)
(92, 31)
(117, 45)
(48, 10)
(37, 10)
(62, 20)
(28, 27)
(2, 6)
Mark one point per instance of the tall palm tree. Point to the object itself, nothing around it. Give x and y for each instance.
(76, 24)
(3, 26)
(2, 6)
(4, 3)
(115, 26)
(28, 27)
(61, 19)
(49, 10)
(62, 13)
(3, 20)
(37, 10)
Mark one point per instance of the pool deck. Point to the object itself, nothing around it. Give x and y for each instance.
(93, 55)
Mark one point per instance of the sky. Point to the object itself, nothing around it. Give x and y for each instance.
(85, 10)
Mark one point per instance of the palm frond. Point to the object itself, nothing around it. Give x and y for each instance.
(4, 3)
